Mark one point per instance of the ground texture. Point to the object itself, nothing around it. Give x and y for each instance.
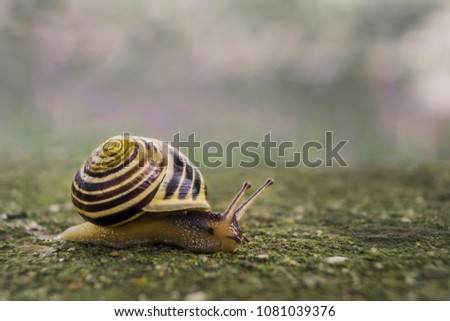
(371, 233)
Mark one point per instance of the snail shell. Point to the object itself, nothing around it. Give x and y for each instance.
(125, 178)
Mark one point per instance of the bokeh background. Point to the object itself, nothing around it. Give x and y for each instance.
(377, 73)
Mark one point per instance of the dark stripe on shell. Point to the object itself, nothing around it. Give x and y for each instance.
(79, 193)
(95, 187)
(135, 192)
(197, 184)
(187, 182)
(114, 169)
(121, 216)
(178, 165)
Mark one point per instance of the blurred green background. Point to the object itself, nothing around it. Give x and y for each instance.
(377, 73)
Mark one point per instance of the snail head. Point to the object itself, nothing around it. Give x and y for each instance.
(229, 229)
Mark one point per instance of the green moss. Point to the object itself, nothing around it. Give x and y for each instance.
(390, 223)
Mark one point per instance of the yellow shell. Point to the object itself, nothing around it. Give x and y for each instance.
(127, 177)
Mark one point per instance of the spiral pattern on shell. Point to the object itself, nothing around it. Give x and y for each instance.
(127, 177)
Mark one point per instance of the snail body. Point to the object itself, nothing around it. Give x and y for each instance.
(134, 190)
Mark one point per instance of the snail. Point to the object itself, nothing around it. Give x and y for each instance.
(134, 190)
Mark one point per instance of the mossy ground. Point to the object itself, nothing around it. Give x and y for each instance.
(390, 225)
